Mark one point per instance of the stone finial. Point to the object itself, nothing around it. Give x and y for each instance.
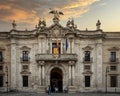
(39, 23)
(44, 22)
(98, 24)
(36, 26)
(14, 24)
(70, 24)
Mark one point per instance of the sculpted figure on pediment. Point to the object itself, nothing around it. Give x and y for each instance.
(55, 33)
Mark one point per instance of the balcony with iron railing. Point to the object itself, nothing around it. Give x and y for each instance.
(25, 60)
(52, 57)
(113, 61)
(87, 60)
(1, 60)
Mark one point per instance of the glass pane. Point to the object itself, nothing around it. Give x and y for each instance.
(25, 55)
(113, 81)
(113, 56)
(1, 81)
(1, 59)
(87, 55)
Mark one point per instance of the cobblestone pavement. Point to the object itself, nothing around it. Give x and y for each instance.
(58, 94)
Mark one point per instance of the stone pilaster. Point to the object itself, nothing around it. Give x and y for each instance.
(69, 75)
(99, 64)
(13, 64)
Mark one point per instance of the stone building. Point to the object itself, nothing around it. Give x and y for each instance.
(63, 57)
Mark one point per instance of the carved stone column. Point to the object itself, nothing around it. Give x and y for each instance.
(71, 40)
(69, 80)
(41, 72)
(71, 87)
(43, 75)
(42, 44)
(73, 74)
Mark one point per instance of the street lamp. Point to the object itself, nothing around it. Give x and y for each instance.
(7, 76)
(107, 70)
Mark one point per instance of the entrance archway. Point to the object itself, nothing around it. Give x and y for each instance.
(56, 79)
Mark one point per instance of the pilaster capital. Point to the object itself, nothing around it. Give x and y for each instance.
(71, 63)
(41, 63)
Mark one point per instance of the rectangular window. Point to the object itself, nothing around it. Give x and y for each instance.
(1, 81)
(25, 56)
(56, 48)
(113, 81)
(113, 57)
(25, 67)
(113, 68)
(87, 55)
(87, 81)
(87, 67)
(1, 56)
(1, 68)
(25, 81)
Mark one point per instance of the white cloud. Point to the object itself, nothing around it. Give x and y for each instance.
(30, 10)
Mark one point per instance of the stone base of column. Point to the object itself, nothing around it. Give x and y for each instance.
(3, 89)
(71, 89)
(41, 89)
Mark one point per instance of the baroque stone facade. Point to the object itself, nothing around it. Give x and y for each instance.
(63, 57)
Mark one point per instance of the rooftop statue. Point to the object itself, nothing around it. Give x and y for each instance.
(56, 13)
(14, 24)
(98, 24)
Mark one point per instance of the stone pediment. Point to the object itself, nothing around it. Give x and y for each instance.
(113, 49)
(25, 48)
(56, 30)
(25, 72)
(87, 72)
(87, 48)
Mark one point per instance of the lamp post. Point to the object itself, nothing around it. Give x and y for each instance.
(107, 70)
(7, 77)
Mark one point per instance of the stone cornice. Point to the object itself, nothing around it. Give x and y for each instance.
(64, 32)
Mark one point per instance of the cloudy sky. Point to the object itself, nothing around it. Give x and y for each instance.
(85, 13)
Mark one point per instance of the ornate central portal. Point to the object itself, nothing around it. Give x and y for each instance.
(56, 79)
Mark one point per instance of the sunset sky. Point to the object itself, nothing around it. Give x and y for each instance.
(85, 13)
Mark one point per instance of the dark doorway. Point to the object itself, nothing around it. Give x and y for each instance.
(56, 77)
(87, 81)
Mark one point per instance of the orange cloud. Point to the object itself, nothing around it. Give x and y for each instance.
(4, 7)
(24, 12)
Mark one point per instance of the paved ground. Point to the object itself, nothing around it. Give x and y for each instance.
(58, 94)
